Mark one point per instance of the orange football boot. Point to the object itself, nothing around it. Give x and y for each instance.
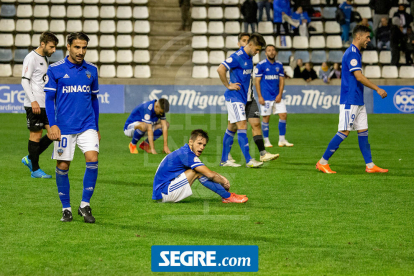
(375, 169)
(234, 198)
(324, 168)
(145, 146)
(133, 148)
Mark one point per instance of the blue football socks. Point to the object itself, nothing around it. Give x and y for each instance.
(137, 136)
(215, 187)
(89, 180)
(227, 143)
(62, 182)
(244, 143)
(282, 127)
(334, 145)
(265, 129)
(364, 146)
(157, 134)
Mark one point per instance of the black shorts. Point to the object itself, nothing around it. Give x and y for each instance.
(36, 122)
(252, 110)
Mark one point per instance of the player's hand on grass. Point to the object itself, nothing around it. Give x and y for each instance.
(54, 133)
(234, 86)
(261, 100)
(153, 151)
(382, 93)
(226, 184)
(278, 98)
(167, 150)
(35, 107)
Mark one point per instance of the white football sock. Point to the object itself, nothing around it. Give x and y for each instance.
(370, 165)
(323, 161)
(282, 138)
(266, 140)
(70, 209)
(84, 204)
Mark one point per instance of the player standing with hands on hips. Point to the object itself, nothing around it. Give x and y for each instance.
(352, 114)
(72, 108)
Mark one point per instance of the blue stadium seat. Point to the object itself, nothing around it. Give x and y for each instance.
(20, 54)
(5, 55)
(8, 11)
(318, 56)
(283, 56)
(303, 55)
(329, 12)
(335, 56)
(58, 55)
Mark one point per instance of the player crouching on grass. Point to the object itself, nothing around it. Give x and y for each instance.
(178, 171)
(148, 118)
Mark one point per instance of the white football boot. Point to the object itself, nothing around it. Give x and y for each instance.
(268, 156)
(285, 144)
(254, 164)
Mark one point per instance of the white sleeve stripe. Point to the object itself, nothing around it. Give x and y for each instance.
(225, 64)
(47, 88)
(259, 75)
(197, 164)
(95, 90)
(356, 68)
(148, 122)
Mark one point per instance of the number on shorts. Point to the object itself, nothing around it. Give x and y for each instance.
(353, 117)
(63, 143)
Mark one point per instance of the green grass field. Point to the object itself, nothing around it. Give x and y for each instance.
(304, 222)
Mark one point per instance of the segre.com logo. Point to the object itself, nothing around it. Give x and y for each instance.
(204, 258)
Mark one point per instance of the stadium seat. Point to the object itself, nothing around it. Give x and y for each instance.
(20, 54)
(73, 26)
(361, 2)
(5, 70)
(57, 26)
(41, 11)
(62, 41)
(107, 56)
(24, 1)
(265, 27)
(214, 2)
(215, 27)
(373, 71)
(107, 26)
(35, 40)
(58, 55)
(213, 74)
(215, 42)
(216, 57)
(6, 55)
(7, 25)
(74, 1)
(140, 1)
(406, 72)
(74, 11)
(232, 13)
(6, 40)
(91, 1)
(232, 27)
(283, 56)
(392, 11)
(17, 70)
(142, 27)
(107, 71)
(230, 2)
(332, 27)
(269, 39)
(199, 42)
(283, 42)
(140, 13)
(40, 25)
(256, 59)
(288, 71)
(317, 68)
(141, 56)
(335, 56)
(107, 2)
(58, 1)
(369, 57)
(123, 2)
(124, 56)
(231, 42)
(318, 57)
(199, 13)
(24, 25)
(303, 55)
(200, 72)
(334, 42)
(41, 1)
(107, 41)
(93, 41)
(123, 41)
(215, 13)
(315, 2)
(92, 56)
(91, 12)
(107, 12)
(365, 12)
(142, 71)
(385, 57)
(24, 11)
(58, 11)
(329, 12)
(300, 42)
(200, 57)
(199, 27)
(318, 27)
(22, 40)
(141, 41)
(91, 26)
(124, 26)
(7, 11)
(124, 71)
(317, 42)
(389, 72)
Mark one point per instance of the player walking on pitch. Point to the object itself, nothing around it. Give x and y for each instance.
(71, 90)
(352, 114)
(270, 82)
(33, 81)
(178, 171)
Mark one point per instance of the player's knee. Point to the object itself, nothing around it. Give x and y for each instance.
(283, 116)
(168, 124)
(63, 165)
(35, 136)
(232, 127)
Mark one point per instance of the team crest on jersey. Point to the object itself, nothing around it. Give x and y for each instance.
(60, 152)
(229, 60)
(88, 74)
(354, 62)
(197, 160)
(277, 69)
(147, 117)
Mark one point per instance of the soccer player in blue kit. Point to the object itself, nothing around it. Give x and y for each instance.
(270, 82)
(72, 108)
(178, 171)
(352, 114)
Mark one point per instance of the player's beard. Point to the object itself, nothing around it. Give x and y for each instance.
(272, 59)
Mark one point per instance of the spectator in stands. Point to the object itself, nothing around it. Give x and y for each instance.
(249, 11)
(405, 18)
(309, 74)
(297, 73)
(281, 9)
(383, 35)
(185, 6)
(264, 4)
(346, 8)
(325, 72)
(335, 72)
(365, 23)
(409, 45)
(304, 20)
(396, 40)
(381, 9)
(305, 4)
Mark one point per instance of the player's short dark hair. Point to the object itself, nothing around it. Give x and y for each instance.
(198, 132)
(257, 40)
(48, 37)
(241, 35)
(77, 35)
(164, 104)
(270, 45)
(360, 29)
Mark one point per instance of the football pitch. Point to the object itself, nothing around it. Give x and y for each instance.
(303, 221)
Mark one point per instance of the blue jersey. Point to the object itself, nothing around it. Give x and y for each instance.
(270, 73)
(240, 65)
(172, 166)
(144, 113)
(352, 91)
(73, 86)
(347, 9)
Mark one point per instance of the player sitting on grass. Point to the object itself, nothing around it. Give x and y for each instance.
(148, 117)
(270, 82)
(178, 171)
(352, 112)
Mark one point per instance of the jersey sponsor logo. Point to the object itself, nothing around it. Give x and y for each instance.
(66, 76)
(271, 77)
(354, 62)
(404, 100)
(88, 74)
(229, 60)
(76, 88)
(247, 72)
